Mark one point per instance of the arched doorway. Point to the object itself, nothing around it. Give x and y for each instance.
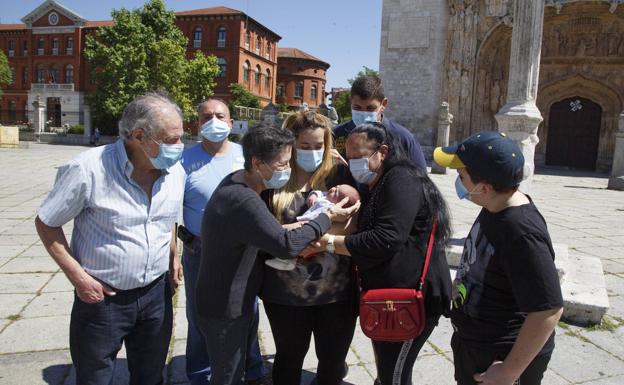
(573, 133)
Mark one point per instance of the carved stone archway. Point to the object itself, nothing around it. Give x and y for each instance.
(608, 98)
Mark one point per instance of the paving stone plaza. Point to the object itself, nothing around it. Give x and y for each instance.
(36, 298)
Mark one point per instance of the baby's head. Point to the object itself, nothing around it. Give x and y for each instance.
(342, 191)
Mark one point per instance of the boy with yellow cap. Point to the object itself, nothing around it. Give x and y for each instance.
(507, 296)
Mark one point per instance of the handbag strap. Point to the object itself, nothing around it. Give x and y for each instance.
(429, 250)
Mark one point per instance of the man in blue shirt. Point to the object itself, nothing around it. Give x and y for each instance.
(206, 164)
(368, 103)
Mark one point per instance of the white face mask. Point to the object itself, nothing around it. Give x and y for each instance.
(215, 130)
(360, 117)
(360, 169)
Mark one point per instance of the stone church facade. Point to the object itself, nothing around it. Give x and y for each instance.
(459, 51)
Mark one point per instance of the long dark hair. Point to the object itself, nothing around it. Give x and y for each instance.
(397, 156)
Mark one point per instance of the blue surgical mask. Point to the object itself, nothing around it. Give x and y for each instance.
(462, 191)
(215, 130)
(279, 178)
(309, 160)
(360, 117)
(168, 155)
(360, 171)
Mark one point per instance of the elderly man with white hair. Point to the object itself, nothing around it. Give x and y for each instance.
(125, 199)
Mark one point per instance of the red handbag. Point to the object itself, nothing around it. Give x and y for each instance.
(395, 315)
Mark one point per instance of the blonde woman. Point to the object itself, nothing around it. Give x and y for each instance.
(317, 296)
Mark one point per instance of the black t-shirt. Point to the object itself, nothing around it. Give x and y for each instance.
(506, 271)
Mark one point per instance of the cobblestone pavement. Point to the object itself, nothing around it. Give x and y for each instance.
(36, 298)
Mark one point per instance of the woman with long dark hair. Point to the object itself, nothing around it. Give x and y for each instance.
(389, 246)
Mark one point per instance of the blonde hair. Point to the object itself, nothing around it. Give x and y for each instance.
(297, 123)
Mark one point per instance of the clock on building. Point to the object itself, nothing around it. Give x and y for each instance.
(53, 18)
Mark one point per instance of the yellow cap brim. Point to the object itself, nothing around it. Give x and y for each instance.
(447, 160)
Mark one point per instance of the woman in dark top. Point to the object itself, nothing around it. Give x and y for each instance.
(317, 296)
(389, 246)
(236, 225)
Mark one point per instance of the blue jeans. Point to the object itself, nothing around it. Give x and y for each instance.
(197, 362)
(142, 318)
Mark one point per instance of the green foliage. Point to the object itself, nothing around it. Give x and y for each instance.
(365, 71)
(342, 104)
(76, 129)
(283, 107)
(239, 96)
(5, 71)
(145, 51)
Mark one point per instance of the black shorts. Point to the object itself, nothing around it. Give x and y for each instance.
(470, 360)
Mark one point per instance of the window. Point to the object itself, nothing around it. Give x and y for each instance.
(69, 74)
(54, 73)
(69, 48)
(257, 75)
(258, 45)
(40, 73)
(40, 46)
(267, 80)
(197, 37)
(246, 71)
(11, 48)
(267, 48)
(221, 36)
(280, 90)
(25, 117)
(55, 46)
(222, 67)
(299, 90)
(12, 81)
(247, 39)
(25, 47)
(25, 77)
(12, 110)
(313, 92)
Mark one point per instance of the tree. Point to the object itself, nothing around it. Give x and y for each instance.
(5, 72)
(342, 104)
(239, 96)
(366, 71)
(144, 51)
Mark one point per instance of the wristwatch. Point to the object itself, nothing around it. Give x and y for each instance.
(330, 247)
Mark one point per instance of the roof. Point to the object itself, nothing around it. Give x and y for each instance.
(210, 11)
(9, 27)
(52, 5)
(295, 53)
(99, 23)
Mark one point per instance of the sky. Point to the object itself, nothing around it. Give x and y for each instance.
(344, 33)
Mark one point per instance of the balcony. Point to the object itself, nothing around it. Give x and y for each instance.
(11, 53)
(55, 51)
(25, 52)
(52, 87)
(196, 43)
(40, 51)
(69, 51)
(220, 43)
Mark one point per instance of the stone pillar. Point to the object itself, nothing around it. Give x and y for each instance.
(444, 127)
(616, 182)
(38, 117)
(86, 121)
(520, 117)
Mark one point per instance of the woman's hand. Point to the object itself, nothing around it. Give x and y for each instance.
(315, 247)
(338, 213)
(294, 225)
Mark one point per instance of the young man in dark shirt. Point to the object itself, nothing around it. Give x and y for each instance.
(368, 103)
(507, 296)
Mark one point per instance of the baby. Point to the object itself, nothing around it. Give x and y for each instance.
(318, 202)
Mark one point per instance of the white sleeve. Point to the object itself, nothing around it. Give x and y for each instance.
(68, 196)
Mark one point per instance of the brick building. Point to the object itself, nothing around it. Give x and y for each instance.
(45, 55)
(300, 78)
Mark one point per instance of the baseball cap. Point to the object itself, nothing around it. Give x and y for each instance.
(490, 154)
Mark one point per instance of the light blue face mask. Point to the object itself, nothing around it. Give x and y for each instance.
(309, 160)
(360, 171)
(215, 130)
(279, 178)
(462, 191)
(360, 117)
(168, 155)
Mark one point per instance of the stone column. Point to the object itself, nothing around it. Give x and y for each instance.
(520, 117)
(38, 117)
(86, 120)
(444, 127)
(616, 182)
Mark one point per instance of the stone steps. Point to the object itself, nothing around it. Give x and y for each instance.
(582, 283)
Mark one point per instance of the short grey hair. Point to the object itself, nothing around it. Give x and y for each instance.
(143, 112)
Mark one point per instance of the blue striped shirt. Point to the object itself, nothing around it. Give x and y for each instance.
(119, 236)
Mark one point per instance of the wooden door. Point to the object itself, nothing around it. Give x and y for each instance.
(573, 133)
